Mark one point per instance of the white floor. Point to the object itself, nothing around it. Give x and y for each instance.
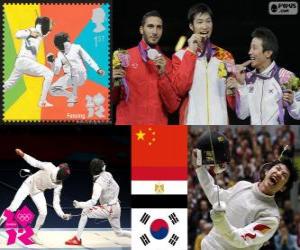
(92, 238)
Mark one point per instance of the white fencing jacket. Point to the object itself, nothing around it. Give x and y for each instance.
(30, 45)
(251, 217)
(105, 190)
(44, 179)
(72, 60)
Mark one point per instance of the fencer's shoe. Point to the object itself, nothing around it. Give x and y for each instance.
(36, 240)
(45, 104)
(73, 242)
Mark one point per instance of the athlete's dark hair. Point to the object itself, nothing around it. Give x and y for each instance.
(152, 13)
(196, 9)
(269, 40)
(290, 166)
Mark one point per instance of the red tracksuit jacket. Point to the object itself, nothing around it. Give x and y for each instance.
(146, 103)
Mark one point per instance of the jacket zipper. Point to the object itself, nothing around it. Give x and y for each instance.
(207, 94)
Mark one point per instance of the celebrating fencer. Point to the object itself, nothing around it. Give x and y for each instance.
(71, 58)
(48, 177)
(26, 62)
(106, 190)
(245, 215)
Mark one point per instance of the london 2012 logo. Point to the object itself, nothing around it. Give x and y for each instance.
(17, 226)
(283, 8)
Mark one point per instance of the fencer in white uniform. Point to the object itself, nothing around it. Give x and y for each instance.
(26, 62)
(71, 58)
(48, 177)
(244, 216)
(106, 190)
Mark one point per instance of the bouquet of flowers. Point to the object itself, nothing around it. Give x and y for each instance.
(226, 69)
(293, 83)
(288, 81)
(120, 60)
(222, 71)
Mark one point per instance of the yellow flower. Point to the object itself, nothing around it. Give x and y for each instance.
(293, 83)
(116, 63)
(222, 72)
(120, 58)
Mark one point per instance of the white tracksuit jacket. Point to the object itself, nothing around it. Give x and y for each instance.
(207, 96)
(262, 101)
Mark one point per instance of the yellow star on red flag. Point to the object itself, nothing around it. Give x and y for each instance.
(140, 135)
(152, 139)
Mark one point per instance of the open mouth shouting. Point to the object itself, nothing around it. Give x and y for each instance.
(274, 180)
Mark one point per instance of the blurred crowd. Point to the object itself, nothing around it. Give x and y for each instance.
(250, 148)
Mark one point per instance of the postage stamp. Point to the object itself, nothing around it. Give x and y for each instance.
(56, 62)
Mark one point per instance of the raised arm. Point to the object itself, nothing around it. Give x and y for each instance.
(31, 161)
(167, 91)
(23, 34)
(242, 104)
(207, 182)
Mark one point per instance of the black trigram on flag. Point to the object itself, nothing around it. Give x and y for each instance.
(173, 218)
(145, 239)
(145, 218)
(173, 239)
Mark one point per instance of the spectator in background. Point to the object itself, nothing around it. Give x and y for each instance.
(206, 229)
(284, 240)
(288, 213)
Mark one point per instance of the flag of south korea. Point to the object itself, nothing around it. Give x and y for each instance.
(159, 229)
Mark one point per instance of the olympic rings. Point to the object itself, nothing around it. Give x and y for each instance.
(24, 217)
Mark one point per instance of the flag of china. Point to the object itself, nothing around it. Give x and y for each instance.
(159, 158)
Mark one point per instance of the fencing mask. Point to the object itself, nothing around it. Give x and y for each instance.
(214, 147)
(63, 172)
(215, 151)
(45, 24)
(60, 39)
(97, 166)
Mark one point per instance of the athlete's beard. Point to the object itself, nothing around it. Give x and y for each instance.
(147, 41)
